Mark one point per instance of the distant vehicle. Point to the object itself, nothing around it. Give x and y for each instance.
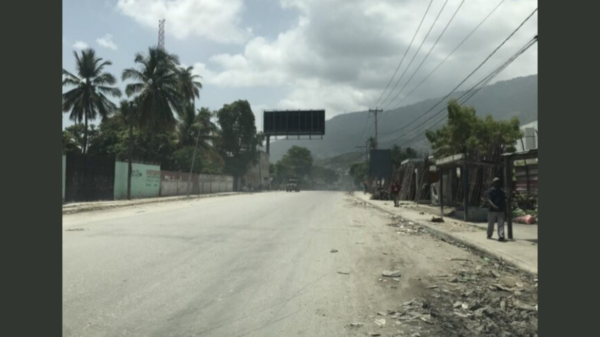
(292, 185)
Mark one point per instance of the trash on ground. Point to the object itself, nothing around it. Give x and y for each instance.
(344, 272)
(356, 325)
(437, 219)
(527, 219)
(334, 250)
(380, 322)
(391, 273)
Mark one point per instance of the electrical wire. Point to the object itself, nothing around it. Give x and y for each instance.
(468, 76)
(416, 53)
(475, 89)
(406, 52)
(428, 53)
(452, 52)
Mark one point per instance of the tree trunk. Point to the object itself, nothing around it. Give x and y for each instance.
(130, 164)
(85, 133)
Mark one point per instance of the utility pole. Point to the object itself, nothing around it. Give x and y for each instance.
(375, 112)
(192, 168)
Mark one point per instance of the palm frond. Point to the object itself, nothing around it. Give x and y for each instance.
(116, 92)
(104, 79)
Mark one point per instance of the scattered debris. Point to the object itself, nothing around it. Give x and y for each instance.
(374, 334)
(334, 250)
(396, 279)
(433, 287)
(519, 284)
(356, 325)
(436, 219)
(391, 273)
(381, 313)
(500, 287)
(380, 322)
(74, 229)
(343, 272)
(422, 213)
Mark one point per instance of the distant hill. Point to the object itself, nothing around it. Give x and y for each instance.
(503, 100)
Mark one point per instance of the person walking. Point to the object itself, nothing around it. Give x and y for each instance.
(497, 200)
(395, 191)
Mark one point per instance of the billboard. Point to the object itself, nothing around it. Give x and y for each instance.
(380, 165)
(294, 122)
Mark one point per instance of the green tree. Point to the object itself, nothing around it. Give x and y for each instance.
(466, 133)
(88, 99)
(130, 112)
(399, 155)
(299, 161)
(157, 85)
(189, 84)
(238, 140)
(371, 143)
(74, 137)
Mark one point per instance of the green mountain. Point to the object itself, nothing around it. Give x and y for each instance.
(343, 133)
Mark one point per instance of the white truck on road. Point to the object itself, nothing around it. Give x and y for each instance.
(292, 185)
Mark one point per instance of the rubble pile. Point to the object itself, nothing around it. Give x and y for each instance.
(488, 299)
(405, 227)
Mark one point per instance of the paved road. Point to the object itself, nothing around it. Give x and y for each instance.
(247, 265)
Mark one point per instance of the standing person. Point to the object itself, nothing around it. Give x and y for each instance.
(497, 199)
(395, 187)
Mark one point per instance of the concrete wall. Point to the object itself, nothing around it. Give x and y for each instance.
(145, 181)
(64, 175)
(259, 173)
(214, 184)
(176, 183)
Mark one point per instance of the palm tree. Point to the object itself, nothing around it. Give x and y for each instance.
(189, 86)
(196, 127)
(157, 84)
(87, 100)
(130, 113)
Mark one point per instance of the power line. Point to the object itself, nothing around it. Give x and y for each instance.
(406, 52)
(452, 52)
(476, 88)
(416, 53)
(428, 53)
(471, 74)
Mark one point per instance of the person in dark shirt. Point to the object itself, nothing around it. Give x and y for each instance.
(395, 191)
(497, 200)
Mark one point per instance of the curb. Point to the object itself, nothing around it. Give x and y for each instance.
(475, 247)
(142, 202)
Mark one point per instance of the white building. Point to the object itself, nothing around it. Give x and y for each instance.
(530, 140)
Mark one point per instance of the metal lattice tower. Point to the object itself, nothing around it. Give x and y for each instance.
(161, 34)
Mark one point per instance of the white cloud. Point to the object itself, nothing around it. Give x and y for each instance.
(342, 62)
(216, 20)
(107, 42)
(80, 45)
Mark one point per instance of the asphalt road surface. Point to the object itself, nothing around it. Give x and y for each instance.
(244, 265)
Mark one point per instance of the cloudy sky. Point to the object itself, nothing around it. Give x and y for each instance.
(337, 55)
